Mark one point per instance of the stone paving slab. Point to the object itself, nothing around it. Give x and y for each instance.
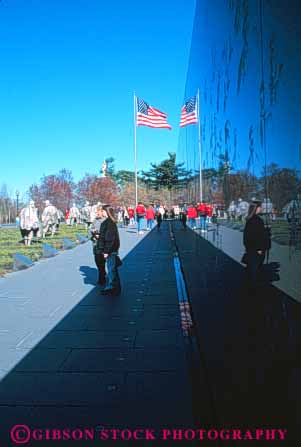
(82, 360)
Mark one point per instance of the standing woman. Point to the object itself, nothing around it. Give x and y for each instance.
(109, 244)
(256, 240)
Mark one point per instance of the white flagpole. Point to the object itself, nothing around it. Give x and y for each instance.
(135, 150)
(200, 149)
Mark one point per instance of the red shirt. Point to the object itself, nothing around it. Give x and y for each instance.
(202, 209)
(191, 213)
(209, 210)
(150, 213)
(131, 213)
(140, 210)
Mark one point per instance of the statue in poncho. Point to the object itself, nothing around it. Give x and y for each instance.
(29, 222)
(50, 219)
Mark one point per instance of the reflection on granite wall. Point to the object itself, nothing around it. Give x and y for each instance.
(246, 62)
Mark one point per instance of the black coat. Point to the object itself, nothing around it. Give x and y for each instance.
(108, 241)
(255, 235)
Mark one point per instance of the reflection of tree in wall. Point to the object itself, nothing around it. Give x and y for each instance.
(218, 91)
(243, 184)
(242, 67)
(275, 71)
(227, 57)
(235, 147)
(227, 129)
(282, 181)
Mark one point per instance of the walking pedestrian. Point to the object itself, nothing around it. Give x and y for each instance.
(192, 215)
(131, 213)
(150, 216)
(203, 216)
(140, 213)
(109, 244)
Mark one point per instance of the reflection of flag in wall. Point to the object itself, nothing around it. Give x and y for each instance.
(189, 113)
(149, 116)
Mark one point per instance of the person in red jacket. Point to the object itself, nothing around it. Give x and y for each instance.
(150, 216)
(131, 213)
(67, 217)
(140, 214)
(192, 215)
(202, 210)
(209, 212)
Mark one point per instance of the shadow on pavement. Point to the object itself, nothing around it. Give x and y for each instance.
(90, 275)
(111, 361)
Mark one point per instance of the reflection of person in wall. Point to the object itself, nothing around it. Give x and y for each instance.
(183, 218)
(158, 219)
(255, 240)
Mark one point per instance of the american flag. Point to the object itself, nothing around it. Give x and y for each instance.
(189, 113)
(149, 116)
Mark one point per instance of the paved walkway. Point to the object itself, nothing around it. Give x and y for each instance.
(71, 357)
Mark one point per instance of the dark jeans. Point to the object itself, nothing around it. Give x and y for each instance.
(255, 262)
(113, 280)
(101, 263)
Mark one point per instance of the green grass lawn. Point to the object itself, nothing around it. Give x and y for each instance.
(11, 243)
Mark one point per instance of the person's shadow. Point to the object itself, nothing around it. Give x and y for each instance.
(89, 274)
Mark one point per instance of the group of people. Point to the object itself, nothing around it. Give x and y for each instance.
(239, 210)
(101, 220)
(157, 213)
(33, 225)
(201, 211)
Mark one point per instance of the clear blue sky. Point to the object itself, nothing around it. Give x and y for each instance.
(68, 73)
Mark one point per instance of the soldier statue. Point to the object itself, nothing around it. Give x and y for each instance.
(29, 222)
(242, 209)
(232, 210)
(74, 215)
(86, 213)
(50, 218)
(94, 210)
(267, 207)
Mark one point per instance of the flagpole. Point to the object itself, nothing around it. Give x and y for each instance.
(200, 149)
(135, 151)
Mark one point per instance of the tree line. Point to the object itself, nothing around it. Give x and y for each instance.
(166, 182)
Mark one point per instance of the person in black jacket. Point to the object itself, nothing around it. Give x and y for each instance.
(109, 244)
(256, 241)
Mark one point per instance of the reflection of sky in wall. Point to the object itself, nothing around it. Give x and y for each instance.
(218, 49)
